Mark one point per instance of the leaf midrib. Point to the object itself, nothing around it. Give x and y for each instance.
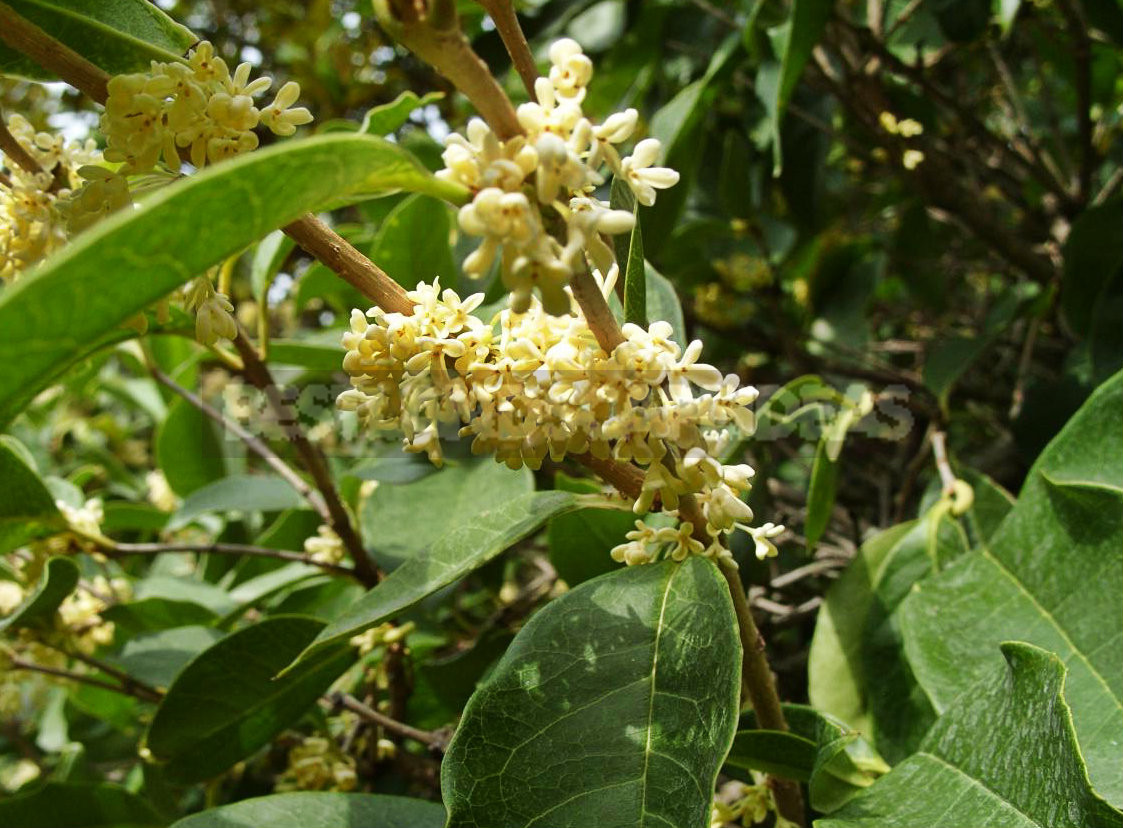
(647, 751)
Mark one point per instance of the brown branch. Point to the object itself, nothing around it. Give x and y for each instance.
(14, 149)
(502, 13)
(254, 444)
(435, 37)
(240, 550)
(17, 663)
(133, 686)
(597, 313)
(311, 457)
(433, 739)
(25, 37)
(353, 267)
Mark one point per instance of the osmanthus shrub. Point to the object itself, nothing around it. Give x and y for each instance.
(268, 628)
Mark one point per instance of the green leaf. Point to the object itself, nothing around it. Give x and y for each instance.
(314, 356)
(77, 805)
(226, 703)
(386, 118)
(170, 588)
(151, 615)
(662, 303)
(857, 669)
(1050, 576)
(1093, 256)
(59, 578)
(818, 749)
(821, 493)
(793, 42)
(237, 493)
(158, 657)
(310, 809)
(188, 449)
(463, 491)
(268, 257)
(135, 257)
(25, 500)
(412, 244)
(613, 706)
(468, 545)
(117, 35)
(1004, 754)
(580, 542)
(629, 256)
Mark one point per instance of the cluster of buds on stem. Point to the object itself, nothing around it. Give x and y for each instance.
(534, 200)
(525, 386)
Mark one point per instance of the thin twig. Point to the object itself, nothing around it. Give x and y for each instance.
(134, 686)
(311, 457)
(1109, 188)
(14, 149)
(502, 13)
(940, 454)
(433, 739)
(241, 550)
(254, 444)
(17, 663)
(904, 17)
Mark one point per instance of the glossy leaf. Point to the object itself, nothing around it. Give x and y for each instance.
(1050, 576)
(59, 578)
(270, 253)
(310, 809)
(77, 805)
(820, 494)
(238, 493)
(835, 761)
(117, 35)
(463, 490)
(1004, 754)
(135, 257)
(466, 546)
(151, 615)
(637, 674)
(227, 703)
(1093, 256)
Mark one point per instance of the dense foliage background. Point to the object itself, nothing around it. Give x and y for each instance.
(900, 220)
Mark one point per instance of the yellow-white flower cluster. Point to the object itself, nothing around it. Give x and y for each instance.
(198, 106)
(316, 764)
(37, 209)
(526, 186)
(325, 546)
(79, 617)
(531, 385)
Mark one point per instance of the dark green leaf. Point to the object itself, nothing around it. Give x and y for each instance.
(1003, 754)
(821, 494)
(463, 490)
(637, 674)
(580, 542)
(412, 244)
(793, 42)
(151, 615)
(135, 257)
(268, 257)
(629, 256)
(117, 35)
(466, 546)
(226, 703)
(23, 495)
(237, 493)
(157, 658)
(1050, 576)
(188, 449)
(321, 810)
(59, 578)
(1093, 256)
(77, 805)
